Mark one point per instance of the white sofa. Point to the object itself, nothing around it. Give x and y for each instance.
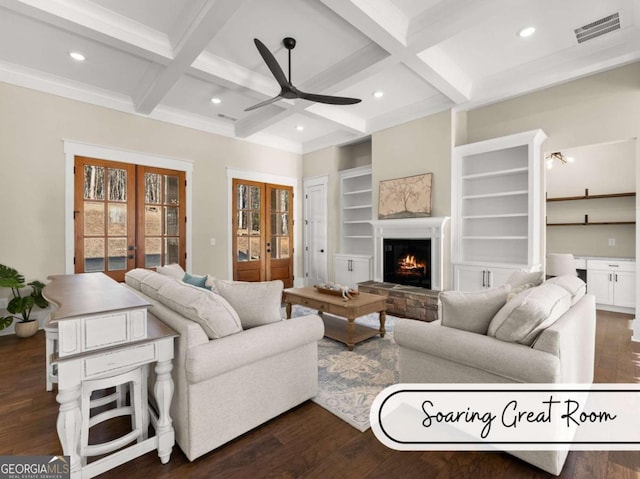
(227, 386)
(563, 352)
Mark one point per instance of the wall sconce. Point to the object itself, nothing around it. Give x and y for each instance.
(557, 155)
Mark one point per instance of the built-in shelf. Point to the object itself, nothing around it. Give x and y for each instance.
(496, 195)
(359, 207)
(356, 185)
(359, 236)
(346, 193)
(495, 174)
(495, 237)
(486, 217)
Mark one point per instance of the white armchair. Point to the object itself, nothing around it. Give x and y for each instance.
(562, 353)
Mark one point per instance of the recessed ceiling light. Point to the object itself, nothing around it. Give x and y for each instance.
(77, 56)
(300, 127)
(378, 94)
(216, 101)
(526, 32)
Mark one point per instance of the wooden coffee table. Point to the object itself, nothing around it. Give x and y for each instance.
(353, 308)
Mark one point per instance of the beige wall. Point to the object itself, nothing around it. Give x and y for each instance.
(419, 146)
(32, 189)
(598, 109)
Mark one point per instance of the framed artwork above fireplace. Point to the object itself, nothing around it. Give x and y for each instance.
(408, 197)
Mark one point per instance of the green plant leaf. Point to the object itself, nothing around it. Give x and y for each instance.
(7, 273)
(19, 305)
(36, 294)
(6, 321)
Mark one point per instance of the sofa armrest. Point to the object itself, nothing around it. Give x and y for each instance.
(232, 352)
(514, 362)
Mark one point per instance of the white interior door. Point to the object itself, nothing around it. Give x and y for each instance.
(315, 231)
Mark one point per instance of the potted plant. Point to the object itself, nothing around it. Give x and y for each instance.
(20, 305)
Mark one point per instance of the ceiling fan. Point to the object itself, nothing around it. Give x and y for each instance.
(287, 90)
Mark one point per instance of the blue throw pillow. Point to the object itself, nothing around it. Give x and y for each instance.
(198, 281)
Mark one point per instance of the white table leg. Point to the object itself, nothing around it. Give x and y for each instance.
(163, 391)
(68, 425)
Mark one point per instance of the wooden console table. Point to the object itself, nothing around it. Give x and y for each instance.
(349, 333)
(104, 330)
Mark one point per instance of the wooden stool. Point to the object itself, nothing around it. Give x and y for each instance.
(137, 409)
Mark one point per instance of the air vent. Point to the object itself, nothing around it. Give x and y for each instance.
(226, 117)
(595, 29)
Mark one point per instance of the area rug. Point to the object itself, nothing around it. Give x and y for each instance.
(349, 381)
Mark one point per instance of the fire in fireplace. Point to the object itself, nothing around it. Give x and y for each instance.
(407, 261)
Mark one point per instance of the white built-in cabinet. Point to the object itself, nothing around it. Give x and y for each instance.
(497, 197)
(353, 264)
(352, 269)
(613, 283)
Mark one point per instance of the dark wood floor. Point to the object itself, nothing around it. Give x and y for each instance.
(306, 441)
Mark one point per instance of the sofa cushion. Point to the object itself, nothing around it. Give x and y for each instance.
(256, 303)
(151, 283)
(134, 277)
(574, 285)
(530, 312)
(472, 311)
(174, 270)
(199, 281)
(216, 316)
(521, 280)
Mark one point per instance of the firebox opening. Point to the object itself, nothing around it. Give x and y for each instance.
(407, 261)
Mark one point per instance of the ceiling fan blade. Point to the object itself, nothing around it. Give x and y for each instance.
(264, 103)
(331, 100)
(272, 63)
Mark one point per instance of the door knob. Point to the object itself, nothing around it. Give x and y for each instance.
(321, 251)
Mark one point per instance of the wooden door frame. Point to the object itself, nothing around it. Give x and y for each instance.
(296, 184)
(74, 148)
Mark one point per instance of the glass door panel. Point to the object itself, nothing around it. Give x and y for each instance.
(163, 208)
(105, 218)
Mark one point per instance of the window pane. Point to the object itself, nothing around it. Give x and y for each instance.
(255, 198)
(284, 224)
(117, 184)
(93, 254)
(283, 247)
(93, 182)
(171, 190)
(255, 248)
(93, 219)
(255, 224)
(275, 194)
(284, 201)
(152, 252)
(171, 222)
(117, 254)
(171, 251)
(243, 248)
(153, 220)
(152, 188)
(242, 223)
(242, 197)
(117, 219)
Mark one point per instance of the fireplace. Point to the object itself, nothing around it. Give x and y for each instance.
(432, 229)
(407, 261)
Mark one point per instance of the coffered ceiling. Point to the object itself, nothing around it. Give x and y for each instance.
(166, 59)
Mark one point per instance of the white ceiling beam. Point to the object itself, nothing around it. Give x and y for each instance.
(194, 40)
(262, 118)
(237, 75)
(364, 16)
(92, 21)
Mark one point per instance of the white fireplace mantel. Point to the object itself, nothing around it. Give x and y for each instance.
(433, 228)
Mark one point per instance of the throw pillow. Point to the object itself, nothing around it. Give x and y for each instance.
(574, 285)
(199, 281)
(210, 284)
(173, 270)
(256, 303)
(211, 311)
(530, 312)
(472, 311)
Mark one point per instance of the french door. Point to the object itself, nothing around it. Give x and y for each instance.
(263, 232)
(127, 216)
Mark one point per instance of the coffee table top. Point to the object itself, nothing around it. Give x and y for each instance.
(362, 299)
